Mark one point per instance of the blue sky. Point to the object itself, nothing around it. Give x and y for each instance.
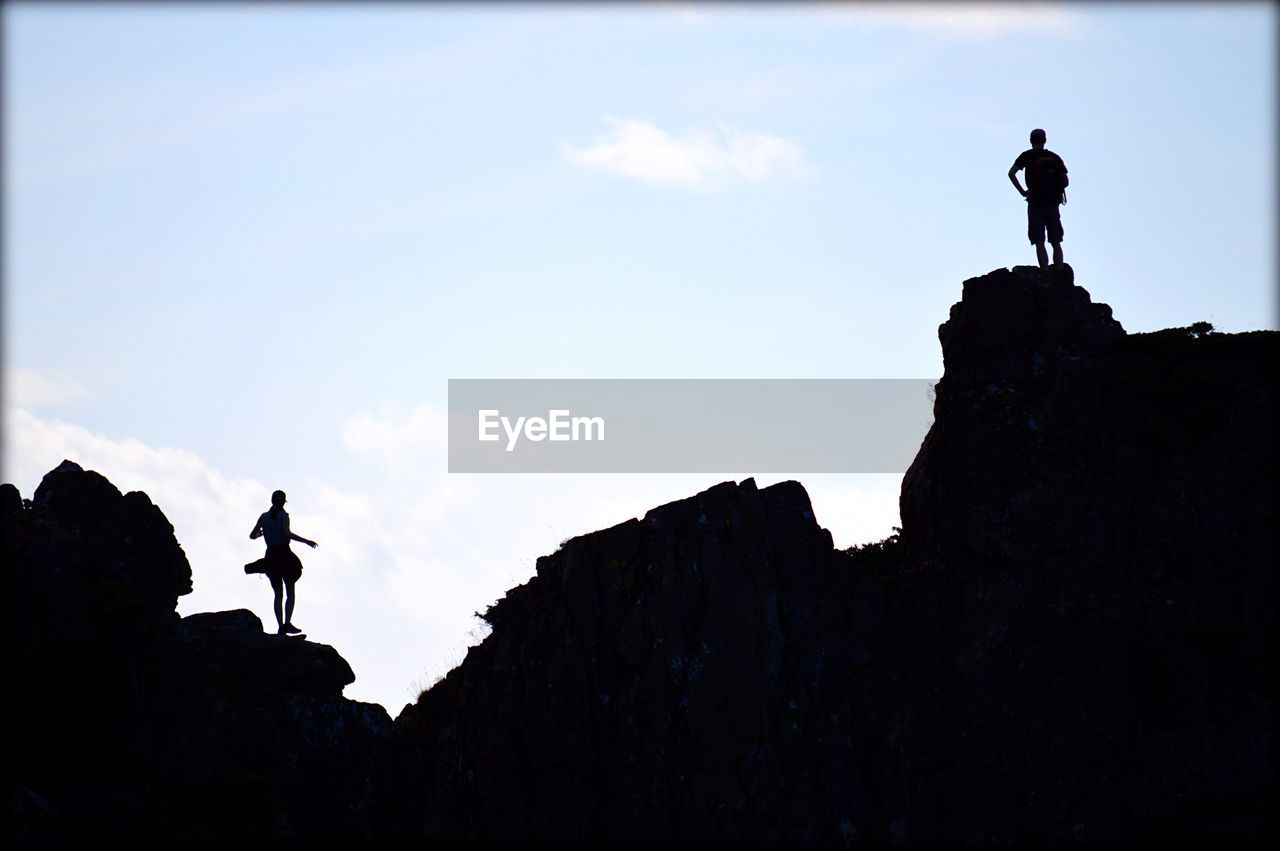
(246, 246)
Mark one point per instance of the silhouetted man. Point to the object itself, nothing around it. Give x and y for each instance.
(281, 564)
(1046, 177)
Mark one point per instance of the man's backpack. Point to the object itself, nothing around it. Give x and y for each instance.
(1048, 180)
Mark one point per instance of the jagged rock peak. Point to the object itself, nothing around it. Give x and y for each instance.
(636, 666)
(112, 534)
(1014, 328)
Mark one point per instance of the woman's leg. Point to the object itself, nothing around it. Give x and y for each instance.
(275, 586)
(288, 606)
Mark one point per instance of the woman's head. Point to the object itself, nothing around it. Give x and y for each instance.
(277, 499)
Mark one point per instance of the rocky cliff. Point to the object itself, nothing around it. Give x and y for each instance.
(1088, 586)
(128, 724)
(1069, 642)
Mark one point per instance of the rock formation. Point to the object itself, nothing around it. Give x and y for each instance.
(127, 724)
(1070, 641)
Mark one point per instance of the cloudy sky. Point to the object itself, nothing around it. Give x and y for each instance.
(246, 246)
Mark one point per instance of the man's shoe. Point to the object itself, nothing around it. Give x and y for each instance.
(290, 628)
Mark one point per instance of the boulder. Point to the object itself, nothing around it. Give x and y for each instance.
(234, 645)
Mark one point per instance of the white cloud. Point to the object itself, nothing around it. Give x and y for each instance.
(26, 388)
(394, 438)
(698, 159)
(961, 20)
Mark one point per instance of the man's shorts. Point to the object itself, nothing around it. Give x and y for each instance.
(1042, 217)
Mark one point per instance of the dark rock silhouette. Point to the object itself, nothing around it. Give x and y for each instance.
(1087, 599)
(666, 678)
(126, 537)
(128, 724)
(1070, 642)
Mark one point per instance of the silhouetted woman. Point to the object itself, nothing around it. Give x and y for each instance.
(281, 564)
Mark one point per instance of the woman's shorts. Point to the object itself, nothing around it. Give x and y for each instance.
(1041, 218)
(282, 563)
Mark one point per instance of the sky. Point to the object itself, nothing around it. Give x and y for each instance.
(246, 246)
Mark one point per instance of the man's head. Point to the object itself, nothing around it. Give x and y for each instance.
(277, 499)
(1037, 138)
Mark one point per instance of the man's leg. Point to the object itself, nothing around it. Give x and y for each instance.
(1042, 257)
(288, 606)
(276, 583)
(1053, 225)
(1035, 232)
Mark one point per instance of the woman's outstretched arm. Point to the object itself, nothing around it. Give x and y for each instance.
(298, 538)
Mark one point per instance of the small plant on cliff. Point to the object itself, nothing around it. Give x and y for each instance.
(1194, 331)
(877, 554)
(1200, 329)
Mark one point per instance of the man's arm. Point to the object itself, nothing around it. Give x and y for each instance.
(1013, 177)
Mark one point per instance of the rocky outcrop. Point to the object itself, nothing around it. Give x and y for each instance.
(1069, 642)
(1087, 590)
(131, 724)
(664, 678)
